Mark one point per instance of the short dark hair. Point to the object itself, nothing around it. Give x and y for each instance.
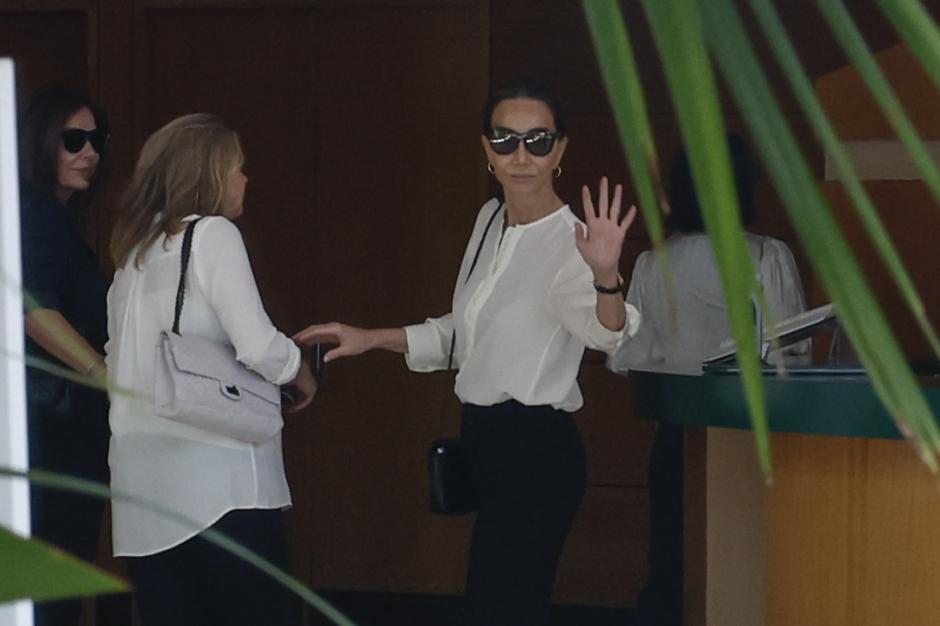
(40, 134)
(523, 88)
(686, 214)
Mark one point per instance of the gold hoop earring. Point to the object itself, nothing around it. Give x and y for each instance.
(557, 171)
(489, 168)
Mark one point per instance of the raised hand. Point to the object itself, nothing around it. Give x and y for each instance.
(601, 245)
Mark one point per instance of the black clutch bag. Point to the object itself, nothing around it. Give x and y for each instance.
(451, 487)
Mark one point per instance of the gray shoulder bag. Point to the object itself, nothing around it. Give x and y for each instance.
(200, 383)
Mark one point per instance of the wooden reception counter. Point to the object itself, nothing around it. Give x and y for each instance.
(847, 534)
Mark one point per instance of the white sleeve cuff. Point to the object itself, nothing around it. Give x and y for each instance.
(425, 347)
(292, 367)
(606, 340)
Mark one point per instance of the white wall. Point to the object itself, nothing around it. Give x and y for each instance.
(14, 494)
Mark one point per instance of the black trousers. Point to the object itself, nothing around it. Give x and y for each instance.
(199, 584)
(528, 466)
(661, 600)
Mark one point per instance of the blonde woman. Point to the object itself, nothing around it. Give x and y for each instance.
(189, 169)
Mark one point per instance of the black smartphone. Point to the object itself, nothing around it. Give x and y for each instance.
(317, 352)
(314, 356)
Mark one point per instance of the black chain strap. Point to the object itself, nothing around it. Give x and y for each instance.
(184, 263)
(453, 336)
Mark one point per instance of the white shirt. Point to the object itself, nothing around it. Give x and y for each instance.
(198, 474)
(697, 325)
(523, 319)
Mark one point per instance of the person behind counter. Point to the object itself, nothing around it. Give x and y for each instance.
(687, 334)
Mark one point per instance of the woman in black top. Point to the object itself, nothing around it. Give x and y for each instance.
(62, 151)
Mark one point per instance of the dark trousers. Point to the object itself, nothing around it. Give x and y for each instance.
(71, 522)
(199, 584)
(528, 466)
(75, 445)
(660, 601)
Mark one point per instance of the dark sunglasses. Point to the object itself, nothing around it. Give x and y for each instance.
(538, 142)
(73, 139)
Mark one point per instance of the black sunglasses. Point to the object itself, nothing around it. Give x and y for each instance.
(538, 141)
(73, 139)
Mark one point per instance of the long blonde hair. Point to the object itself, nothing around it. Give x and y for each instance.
(182, 170)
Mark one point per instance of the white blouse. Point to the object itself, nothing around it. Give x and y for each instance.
(198, 474)
(523, 319)
(696, 325)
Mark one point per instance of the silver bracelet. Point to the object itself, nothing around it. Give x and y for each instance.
(98, 361)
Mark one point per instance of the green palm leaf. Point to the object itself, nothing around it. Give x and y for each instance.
(677, 30)
(917, 28)
(858, 311)
(805, 95)
(681, 29)
(618, 67)
(625, 92)
(41, 572)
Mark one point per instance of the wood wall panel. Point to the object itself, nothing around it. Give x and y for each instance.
(555, 46)
(853, 535)
(593, 151)
(551, 45)
(26, 34)
(912, 221)
(399, 180)
(856, 115)
(616, 441)
(401, 170)
(241, 76)
(114, 71)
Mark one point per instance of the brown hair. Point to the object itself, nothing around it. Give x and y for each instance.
(41, 135)
(182, 170)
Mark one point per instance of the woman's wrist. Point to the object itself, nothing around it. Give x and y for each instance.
(608, 283)
(391, 339)
(97, 368)
(606, 275)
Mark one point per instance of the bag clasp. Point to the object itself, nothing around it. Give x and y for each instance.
(232, 392)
